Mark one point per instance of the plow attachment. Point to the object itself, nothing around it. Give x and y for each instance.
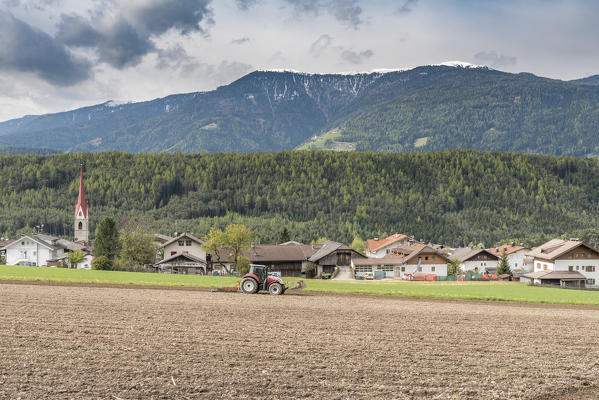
(227, 289)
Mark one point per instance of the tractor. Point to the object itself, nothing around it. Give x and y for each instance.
(259, 278)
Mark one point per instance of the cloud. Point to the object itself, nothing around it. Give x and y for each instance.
(74, 30)
(407, 7)
(245, 5)
(124, 41)
(353, 57)
(176, 58)
(320, 45)
(494, 59)
(225, 72)
(240, 40)
(27, 49)
(346, 11)
(158, 16)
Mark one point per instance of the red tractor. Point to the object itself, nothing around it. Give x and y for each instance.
(259, 278)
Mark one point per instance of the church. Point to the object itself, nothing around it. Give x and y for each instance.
(41, 250)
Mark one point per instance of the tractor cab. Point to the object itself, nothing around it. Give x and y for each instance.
(261, 272)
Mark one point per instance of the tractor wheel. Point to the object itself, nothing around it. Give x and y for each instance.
(275, 288)
(249, 286)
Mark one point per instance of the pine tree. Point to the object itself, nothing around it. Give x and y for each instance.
(284, 236)
(107, 240)
(504, 266)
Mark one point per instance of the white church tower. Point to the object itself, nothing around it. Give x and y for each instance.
(81, 215)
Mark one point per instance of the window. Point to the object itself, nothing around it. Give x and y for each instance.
(571, 268)
(188, 243)
(432, 269)
(538, 265)
(387, 268)
(590, 281)
(181, 242)
(545, 267)
(388, 250)
(577, 268)
(173, 253)
(403, 269)
(80, 225)
(426, 258)
(590, 268)
(22, 243)
(363, 268)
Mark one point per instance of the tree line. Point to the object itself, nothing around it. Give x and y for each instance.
(447, 197)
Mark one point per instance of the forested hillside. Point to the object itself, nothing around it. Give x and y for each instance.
(422, 109)
(451, 197)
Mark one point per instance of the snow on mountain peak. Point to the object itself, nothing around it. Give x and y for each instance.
(458, 64)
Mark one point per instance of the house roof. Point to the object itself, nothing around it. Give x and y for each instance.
(183, 254)
(326, 249)
(561, 275)
(498, 250)
(50, 242)
(162, 238)
(181, 236)
(6, 242)
(376, 244)
(410, 252)
(556, 248)
(466, 253)
(275, 253)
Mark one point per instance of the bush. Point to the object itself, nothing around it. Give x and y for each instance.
(243, 265)
(310, 270)
(101, 263)
(325, 276)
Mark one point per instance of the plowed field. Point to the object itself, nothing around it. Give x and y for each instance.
(91, 342)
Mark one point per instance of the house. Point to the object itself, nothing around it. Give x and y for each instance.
(476, 260)
(567, 263)
(330, 255)
(379, 248)
(516, 255)
(3, 243)
(182, 263)
(44, 251)
(404, 262)
(289, 258)
(182, 254)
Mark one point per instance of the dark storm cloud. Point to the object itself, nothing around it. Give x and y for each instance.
(354, 57)
(186, 16)
(407, 7)
(123, 46)
(28, 49)
(346, 11)
(494, 59)
(320, 45)
(74, 30)
(125, 41)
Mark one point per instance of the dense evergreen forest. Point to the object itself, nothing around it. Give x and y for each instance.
(448, 197)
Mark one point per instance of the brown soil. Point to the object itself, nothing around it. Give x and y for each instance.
(86, 342)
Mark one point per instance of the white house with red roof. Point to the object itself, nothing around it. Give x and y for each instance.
(565, 263)
(516, 256)
(379, 248)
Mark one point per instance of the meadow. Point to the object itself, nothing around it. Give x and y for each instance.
(490, 291)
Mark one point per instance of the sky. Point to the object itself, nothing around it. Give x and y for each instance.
(57, 55)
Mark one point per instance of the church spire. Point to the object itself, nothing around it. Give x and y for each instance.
(81, 204)
(81, 216)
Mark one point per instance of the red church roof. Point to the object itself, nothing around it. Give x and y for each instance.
(81, 200)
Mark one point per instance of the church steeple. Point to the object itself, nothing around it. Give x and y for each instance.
(81, 215)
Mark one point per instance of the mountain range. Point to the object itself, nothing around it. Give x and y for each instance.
(435, 107)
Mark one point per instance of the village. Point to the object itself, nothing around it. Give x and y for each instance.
(568, 263)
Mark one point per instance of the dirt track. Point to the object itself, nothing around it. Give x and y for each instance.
(86, 342)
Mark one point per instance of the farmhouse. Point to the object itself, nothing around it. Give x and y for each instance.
(404, 262)
(476, 260)
(289, 258)
(330, 255)
(379, 248)
(183, 254)
(43, 251)
(516, 255)
(567, 263)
